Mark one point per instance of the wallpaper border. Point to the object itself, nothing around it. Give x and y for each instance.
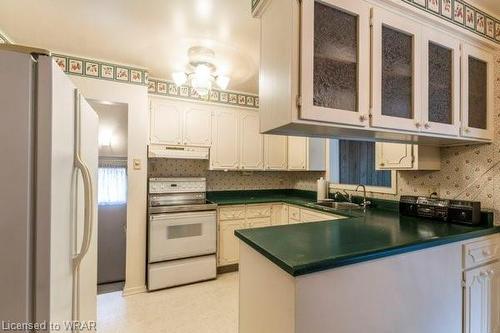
(458, 12)
(169, 88)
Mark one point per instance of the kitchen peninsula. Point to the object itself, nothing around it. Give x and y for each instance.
(374, 272)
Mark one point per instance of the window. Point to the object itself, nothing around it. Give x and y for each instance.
(112, 188)
(353, 162)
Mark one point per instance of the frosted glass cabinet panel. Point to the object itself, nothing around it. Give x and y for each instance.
(396, 71)
(335, 77)
(335, 61)
(440, 83)
(477, 93)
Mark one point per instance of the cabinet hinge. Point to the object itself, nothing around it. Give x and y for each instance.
(298, 101)
(464, 284)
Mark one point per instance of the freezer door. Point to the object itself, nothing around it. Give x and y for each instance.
(87, 273)
(17, 180)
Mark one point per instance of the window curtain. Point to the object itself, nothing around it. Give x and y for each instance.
(112, 185)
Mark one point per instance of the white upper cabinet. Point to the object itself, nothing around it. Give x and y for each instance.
(224, 153)
(367, 71)
(308, 154)
(251, 142)
(396, 71)
(197, 126)
(297, 153)
(393, 156)
(399, 156)
(335, 61)
(275, 152)
(477, 92)
(175, 122)
(440, 83)
(166, 122)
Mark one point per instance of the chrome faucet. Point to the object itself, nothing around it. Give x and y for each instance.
(365, 202)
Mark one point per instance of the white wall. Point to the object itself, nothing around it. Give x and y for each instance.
(138, 132)
(113, 121)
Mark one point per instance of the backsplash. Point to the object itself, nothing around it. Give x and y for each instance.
(234, 180)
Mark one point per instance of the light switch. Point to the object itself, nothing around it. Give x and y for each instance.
(137, 164)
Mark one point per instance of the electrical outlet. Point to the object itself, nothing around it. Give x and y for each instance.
(433, 189)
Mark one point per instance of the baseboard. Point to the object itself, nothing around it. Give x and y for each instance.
(134, 290)
(227, 269)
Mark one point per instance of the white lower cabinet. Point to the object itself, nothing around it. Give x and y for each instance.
(279, 214)
(228, 247)
(233, 217)
(482, 299)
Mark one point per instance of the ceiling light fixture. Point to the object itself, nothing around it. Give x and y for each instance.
(202, 74)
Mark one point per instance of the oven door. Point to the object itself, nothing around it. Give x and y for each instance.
(181, 235)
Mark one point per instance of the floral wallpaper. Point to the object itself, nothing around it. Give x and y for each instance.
(234, 180)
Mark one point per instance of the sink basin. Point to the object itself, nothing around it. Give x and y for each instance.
(339, 205)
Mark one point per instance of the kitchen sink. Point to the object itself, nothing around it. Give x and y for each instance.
(339, 205)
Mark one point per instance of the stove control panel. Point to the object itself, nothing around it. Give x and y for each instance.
(177, 185)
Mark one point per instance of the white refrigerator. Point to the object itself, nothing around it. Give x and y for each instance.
(48, 200)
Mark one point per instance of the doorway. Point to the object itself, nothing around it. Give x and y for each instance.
(112, 195)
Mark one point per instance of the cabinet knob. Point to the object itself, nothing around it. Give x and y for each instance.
(362, 118)
(491, 272)
(382, 164)
(427, 125)
(466, 129)
(417, 125)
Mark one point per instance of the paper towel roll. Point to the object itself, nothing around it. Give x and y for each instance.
(322, 189)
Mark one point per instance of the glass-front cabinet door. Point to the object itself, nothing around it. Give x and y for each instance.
(335, 61)
(440, 83)
(396, 72)
(477, 93)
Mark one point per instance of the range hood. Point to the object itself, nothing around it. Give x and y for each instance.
(180, 152)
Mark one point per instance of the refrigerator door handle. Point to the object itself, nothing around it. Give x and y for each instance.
(88, 189)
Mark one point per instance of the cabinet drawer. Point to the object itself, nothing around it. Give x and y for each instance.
(231, 213)
(258, 211)
(480, 252)
(258, 222)
(294, 213)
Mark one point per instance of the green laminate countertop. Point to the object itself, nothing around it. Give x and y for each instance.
(311, 247)
(296, 197)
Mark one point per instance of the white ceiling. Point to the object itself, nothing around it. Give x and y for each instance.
(490, 6)
(155, 34)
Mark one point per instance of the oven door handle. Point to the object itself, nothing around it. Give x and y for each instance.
(173, 217)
